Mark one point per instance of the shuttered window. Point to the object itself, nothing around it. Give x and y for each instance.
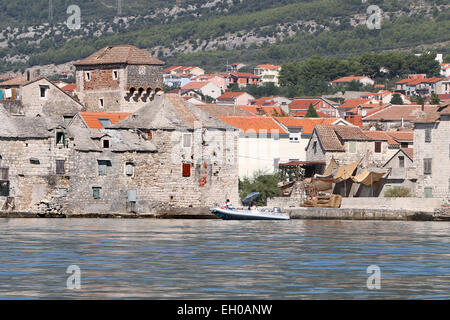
(186, 170)
(427, 166)
(4, 173)
(428, 135)
(102, 167)
(96, 192)
(378, 147)
(129, 168)
(60, 167)
(352, 147)
(428, 192)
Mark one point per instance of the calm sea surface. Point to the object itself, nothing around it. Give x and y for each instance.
(214, 259)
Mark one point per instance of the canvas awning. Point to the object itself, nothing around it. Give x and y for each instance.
(335, 173)
(369, 177)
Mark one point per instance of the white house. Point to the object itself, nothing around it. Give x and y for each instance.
(269, 73)
(205, 88)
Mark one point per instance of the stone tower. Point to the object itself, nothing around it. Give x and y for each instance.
(118, 79)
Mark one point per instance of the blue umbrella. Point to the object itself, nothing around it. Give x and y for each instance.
(250, 197)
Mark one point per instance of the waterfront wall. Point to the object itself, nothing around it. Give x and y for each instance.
(416, 204)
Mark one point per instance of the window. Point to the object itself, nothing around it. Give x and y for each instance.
(186, 170)
(4, 173)
(4, 188)
(103, 166)
(115, 75)
(101, 102)
(377, 146)
(88, 76)
(352, 147)
(315, 147)
(404, 145)
(294, 136)
(34, 161)
(129, 169)
(428, 135)
(105, 122)
(428, 192)
(106, 144)
(96, 192)
(62, 192)
(427, 166)
(43, 91)
(187, 140)
(60, 167)
(60, 138)
(142, 70)
(276, 163)
(401, 162)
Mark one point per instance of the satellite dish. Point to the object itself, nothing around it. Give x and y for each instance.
(364, 113)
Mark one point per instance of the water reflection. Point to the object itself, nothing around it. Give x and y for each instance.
(215, 259)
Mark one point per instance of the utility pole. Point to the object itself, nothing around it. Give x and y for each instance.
(50, 10)
(119, 7)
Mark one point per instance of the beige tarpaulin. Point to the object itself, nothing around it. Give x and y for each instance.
(346, 172)
(368, 177)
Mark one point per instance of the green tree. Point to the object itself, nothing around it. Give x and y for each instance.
(434, 99)
(396, 99)
(264, 183)
(311, 113)
(398, 192)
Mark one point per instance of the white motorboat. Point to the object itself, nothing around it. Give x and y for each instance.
(240, 214)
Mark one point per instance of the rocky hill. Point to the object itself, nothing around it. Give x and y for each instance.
(210, 32)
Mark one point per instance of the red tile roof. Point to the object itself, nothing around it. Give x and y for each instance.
(303, 104)
(265, 110)
(409, 152)
(243, 75)
(125, 54)
(349, 79)
(268, 66)
(331, 136)
(381, 135)
(194, 85)
(92, 118)
(307, 124)
(69, 87)
(17, 81)
(231, 95)
(398, 112)
(254, 124)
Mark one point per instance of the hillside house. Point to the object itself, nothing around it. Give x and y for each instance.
(201, 89)
(345, 81)
(269, 73)
(236, 98)
(324, 107)
(244, 79)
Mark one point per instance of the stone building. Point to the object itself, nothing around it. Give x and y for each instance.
(432, 152)
(168, 154)
(33, 161)
(118, 78)
(38, 96)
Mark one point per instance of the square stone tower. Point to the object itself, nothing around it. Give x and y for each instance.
(118, 79)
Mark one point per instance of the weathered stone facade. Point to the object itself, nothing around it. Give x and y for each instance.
(121, 78)
(182, 159)
(432, 144)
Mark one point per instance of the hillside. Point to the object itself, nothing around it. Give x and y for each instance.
(210, 32)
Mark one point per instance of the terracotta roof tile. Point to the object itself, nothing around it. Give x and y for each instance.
(399, 112)
(254, 124)
(93, 122)
(307, 124)
(17, 81)
(331, 136)
(126, 54)
(231, 95)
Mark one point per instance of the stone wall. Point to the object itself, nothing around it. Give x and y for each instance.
(32, 170)
(122, 94)
(56, 103)
(439, 151)
(158, 177)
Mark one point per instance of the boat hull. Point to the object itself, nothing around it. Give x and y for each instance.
(228, 214)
